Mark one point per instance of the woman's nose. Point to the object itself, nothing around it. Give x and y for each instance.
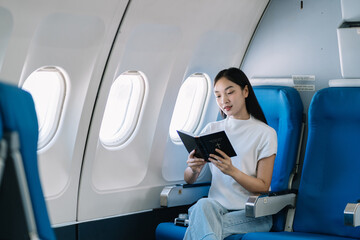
(224, 99)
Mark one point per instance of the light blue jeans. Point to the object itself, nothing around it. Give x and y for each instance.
(208, 219)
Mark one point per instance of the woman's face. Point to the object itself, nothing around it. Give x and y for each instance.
(231, 98)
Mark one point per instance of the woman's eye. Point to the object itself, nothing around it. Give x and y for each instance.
(231, 92)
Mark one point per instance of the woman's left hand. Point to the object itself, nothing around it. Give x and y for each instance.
(223, 163)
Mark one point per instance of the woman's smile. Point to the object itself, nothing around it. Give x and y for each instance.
(227, 108)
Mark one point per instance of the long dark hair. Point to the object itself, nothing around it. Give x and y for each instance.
(238, 77)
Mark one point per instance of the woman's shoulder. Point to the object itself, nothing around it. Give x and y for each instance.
(263, 126)
(214, 126)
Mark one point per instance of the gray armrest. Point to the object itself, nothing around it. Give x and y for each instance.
(183, 194)
(265, 205)
(352, 214)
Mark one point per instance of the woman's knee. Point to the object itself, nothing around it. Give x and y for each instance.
(208, 206)
(206, 203)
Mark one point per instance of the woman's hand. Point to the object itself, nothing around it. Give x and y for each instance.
(195, 165)
(223, 163)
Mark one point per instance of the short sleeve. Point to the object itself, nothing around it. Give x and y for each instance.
(268, 145)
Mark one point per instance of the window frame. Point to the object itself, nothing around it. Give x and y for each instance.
(123, 135)
(53, 114)
(198, 120)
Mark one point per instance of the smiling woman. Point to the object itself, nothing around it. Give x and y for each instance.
(233, 179)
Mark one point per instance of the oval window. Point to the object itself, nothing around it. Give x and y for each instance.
(190, 104)
(122, 108)
(47, 86)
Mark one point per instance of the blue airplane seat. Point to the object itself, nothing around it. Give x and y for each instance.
(330, 177)
(2, 152)
(1, 128)
(283, 110)
(18, 114)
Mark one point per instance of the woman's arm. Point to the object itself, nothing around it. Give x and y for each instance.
(195, 165)
(258, 184)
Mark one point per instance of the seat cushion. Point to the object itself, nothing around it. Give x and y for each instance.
(290, 236)
(169, 231)
(234, 237)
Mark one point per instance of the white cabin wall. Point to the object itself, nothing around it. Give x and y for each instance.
(197, 37)
(77, 37)
(294, 41)
(167, 41)
(6, 27)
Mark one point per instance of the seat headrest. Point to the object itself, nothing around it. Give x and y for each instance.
(350, 82)
(288, 82)
(336, 103)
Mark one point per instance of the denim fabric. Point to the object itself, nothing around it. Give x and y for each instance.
(209, 220)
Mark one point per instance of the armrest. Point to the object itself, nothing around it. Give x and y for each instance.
(269, 204)
(183, 194)
(352, 214)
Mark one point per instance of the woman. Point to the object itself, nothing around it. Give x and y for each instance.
(233, 179)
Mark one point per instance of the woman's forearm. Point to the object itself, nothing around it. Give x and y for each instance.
(252, 184)
(260, 183)
(190, 176)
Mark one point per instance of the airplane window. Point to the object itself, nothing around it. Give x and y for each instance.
(48, 88)
(122, 108)
(190, 104)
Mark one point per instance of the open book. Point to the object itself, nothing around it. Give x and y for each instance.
(205, 144)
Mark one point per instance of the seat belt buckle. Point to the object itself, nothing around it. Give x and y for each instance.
(182, 220)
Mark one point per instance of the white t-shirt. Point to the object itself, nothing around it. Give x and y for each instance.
(252, 141)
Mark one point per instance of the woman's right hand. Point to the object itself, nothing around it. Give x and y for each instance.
(194, 163)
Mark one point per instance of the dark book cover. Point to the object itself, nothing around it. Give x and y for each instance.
(206, 144)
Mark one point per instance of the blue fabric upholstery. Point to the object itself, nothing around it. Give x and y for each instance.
(169, 231)
(283, 110)
(234, 237)
(1, 128)
(330, 177)
(1, 136)
(290, 236)
(18, 114)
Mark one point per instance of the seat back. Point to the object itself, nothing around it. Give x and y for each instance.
(18, 114)
(330, 176)
(283, 110)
